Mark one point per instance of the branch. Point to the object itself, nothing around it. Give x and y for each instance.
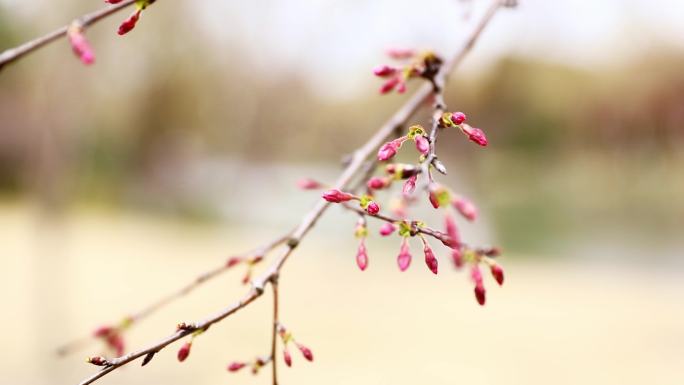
(274, 336)
(356, 164)
(13, 54)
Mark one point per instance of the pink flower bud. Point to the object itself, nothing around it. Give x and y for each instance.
(235, 366)
(129, 23)
(404, 257)
(476, 274)
(113, 1)
(306, 352)
(103, 331)
(80, 45)
(422, 144)
(362, 256)
(430, 259)
(409, 186)
(401, 88)
(480, 294)
(184, 351)
(116, 342)
(498, 273)
(433, 199)
(466, 208)
(457, 257)
(458, 117)
(287, 357)
(475, 134)
(372, 208)
(387, 229)
(384, 71)
(377, 183)
(232, 261)
(389, 85)
(389, 149)
(337, 196)
(452, 231)
(401, 53)
(309, 184)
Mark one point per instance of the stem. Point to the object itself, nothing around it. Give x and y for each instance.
(274, 336)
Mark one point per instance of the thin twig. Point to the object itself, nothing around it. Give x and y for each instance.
(276, 323)
(309, 220)
(13, 54)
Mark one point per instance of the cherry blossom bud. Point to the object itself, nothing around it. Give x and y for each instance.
(439, 196)
(476, 274)
(306, 352)
(129, 23)
(384, 71)
(475, 134)
(433, 199)
(113, 1)
(457, 257)
(497, 272)
(235, 366)
(389, 149)
(387, 229)
(492, 252)
(452, 230)
(362, 256)
(480, 294)
(287, 357)
(373, 208)
(184, 351)
(99, 361)
(80, 45)
(466, 208)
(389, 85)
(400, 53)
(232, 261)
(103, 331)
(409, 186)
(422, 144)
(404, 257)
(430, 259)
(458, 118)
(309, 184)
(401, 88)
(116, 342)
(337, 196)
(377, 183)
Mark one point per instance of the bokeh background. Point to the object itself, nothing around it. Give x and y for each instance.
(182, 145)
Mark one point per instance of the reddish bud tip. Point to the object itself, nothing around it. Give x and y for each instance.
(99, 361)
(476, 274)
(475, 135)
(309, 184)
(457, 257)
(113, 1)
(409, 186)
(404, 257)
(466, 208)
(129, 23)
(400, 53)
(235, 366)
(480, 294)
(389, 149)
(306, 352)
(430, 259)
(287, 357)
(377, 183)
(458, 117)
(452, 229)
(337, 196)
(362, 256)
(433, 199)
(80, 45)
(389, 85)
(422, 144)
(384, 71)
(184, 351)
(232, 261)
(103, 331)
(498, 273)
(387, 229)
(373, 208)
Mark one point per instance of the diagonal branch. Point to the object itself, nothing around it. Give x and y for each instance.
(13, 54)
(309, 220)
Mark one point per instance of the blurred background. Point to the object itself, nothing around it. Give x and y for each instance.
(182, 145)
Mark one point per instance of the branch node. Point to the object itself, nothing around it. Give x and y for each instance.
(292, 242)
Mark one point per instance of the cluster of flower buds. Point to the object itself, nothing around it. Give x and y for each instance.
(249, 262)
(366, 201)
(416, 133)
(113, 336)
(128, 24)
(457, 119)
(256, 364)
(184, 350)
(414, 65)
(287, 338)
(475, 258)
(79, 43)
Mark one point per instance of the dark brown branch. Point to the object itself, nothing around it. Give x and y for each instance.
(309, 220)
(13, 54)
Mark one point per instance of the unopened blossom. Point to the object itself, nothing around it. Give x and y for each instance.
(80, 45)
(389, 149)
(287, 357)
(401, 53)
(373, 208)
(113, 1)
(184, 351)
(377, 183)
(466, 208)
(387, 229)
(129, 23)
(362, 256)
(390, 85)
(474, 134)
(404, 257)
(402, 170)
(384, 71)
(480, 294)
(409, 186)
(430, 259)
(452, 230)
(497, 273)
(458, 118)
(306, 352)
(337, 196)
(235, 366)
(457, 257)
(309, 184)
(422, 144)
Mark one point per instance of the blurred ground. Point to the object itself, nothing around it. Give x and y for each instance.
(562, 322)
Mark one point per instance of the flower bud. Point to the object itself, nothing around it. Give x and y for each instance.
(232, 261)
(480, 294)
(362, 256)
(79, 44)
(377, 183)
(400, 53)
(466, 208)
(129, 23)
(401, 88)
(337, 196)
(384, 71)
(476, 274)
(116, 342)
(439, 196)
(422, 144)
(373, 208)
(113, 1)
(235, 366)
(389, 85)
(387, 229)
(430, 259)
(184, 351)
(309, 184)
(401, 170)
(433, 199)
(452, 230)
(497, 272)
(99, 361)
(457, 257)
(458, 118)
(409, 186)
(404, 257)
(389, 149)
(474, 134)
(103, 331)
(287, 357)
(306, 352)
